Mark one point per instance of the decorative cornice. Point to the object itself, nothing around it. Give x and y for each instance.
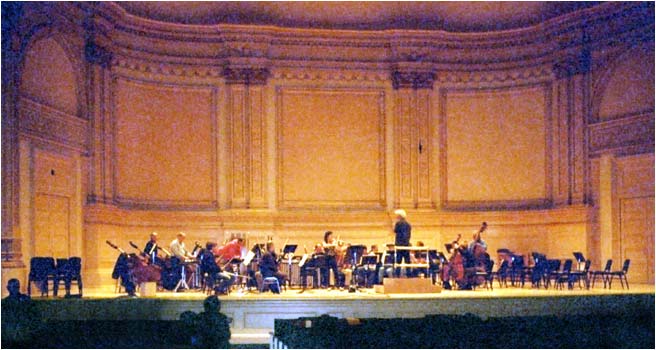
(501, 76)
(165, 68)
(246, 75)
(330, 74)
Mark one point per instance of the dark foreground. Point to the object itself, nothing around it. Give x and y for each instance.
(468, 331)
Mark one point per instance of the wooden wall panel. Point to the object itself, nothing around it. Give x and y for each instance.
(165, 144)
(635, 196)
(496, 147)
(331, 148)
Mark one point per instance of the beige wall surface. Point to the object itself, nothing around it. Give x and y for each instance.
(266, 131)
(496, 145)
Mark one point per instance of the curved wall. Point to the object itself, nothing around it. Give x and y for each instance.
(284, 132)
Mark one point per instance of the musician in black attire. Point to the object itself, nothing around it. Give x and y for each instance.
(269, 265)
(152, 249)
(208, 265)
(316, 261)
(402, 230)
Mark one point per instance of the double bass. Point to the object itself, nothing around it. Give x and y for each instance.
(455, 268)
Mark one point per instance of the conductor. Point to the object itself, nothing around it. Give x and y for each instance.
(402, 231)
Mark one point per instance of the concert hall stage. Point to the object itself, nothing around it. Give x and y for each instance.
(253, 314)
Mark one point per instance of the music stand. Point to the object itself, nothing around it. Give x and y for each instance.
(369, 260)
(579, 259)
(289, 249)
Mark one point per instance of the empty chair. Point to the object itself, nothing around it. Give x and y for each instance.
(487, 275)
(564, 275)
(501, 273)
(603, 273)
(621, 274)
(42, 270)
(69, 272)
(584, 275)
(539, 269)
(553, 266)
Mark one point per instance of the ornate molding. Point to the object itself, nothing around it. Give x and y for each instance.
(412, 80)
(164, 68)
(572, 65)
(46, 122)
(247, 76)
(502, 76)
(96, 54)
(630, 135)
(330, 75)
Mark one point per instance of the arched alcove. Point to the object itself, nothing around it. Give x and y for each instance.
(629, 86)
(48, 77)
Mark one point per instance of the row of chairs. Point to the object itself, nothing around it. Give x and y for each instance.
(43, 270)
(548, 272)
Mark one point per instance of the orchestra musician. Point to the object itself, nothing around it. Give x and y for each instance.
(269, 266)
(330, 248)
(231, 250)
(208, 265)
(178, 249)
(402, 231)
(367, 274)
(151, 250)
(317, 261)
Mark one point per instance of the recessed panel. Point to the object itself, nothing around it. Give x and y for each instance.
(496, 145)
(331, 148)
(164, 144)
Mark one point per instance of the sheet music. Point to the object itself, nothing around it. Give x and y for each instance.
(249, 256)
(303, 259)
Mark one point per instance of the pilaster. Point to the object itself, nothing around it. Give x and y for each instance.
(571, 109)
(247, 134)
(413, 85)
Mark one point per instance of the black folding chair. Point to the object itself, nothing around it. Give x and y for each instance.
(68, 271)
(582, 275)
(621, 274)
(487, 275)
(553, 266)
(564, 275)
(605, 273)
(42, 271)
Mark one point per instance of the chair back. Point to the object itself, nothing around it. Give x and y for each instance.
(625, 268)
(62, 266)
(503, 267)
(489, 264)
(609, 265)
(586, 268)
(554, 265)
(567, 267)
(74, 268)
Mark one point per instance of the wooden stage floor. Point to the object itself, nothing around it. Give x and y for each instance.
(369, 293)
(253, 314)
